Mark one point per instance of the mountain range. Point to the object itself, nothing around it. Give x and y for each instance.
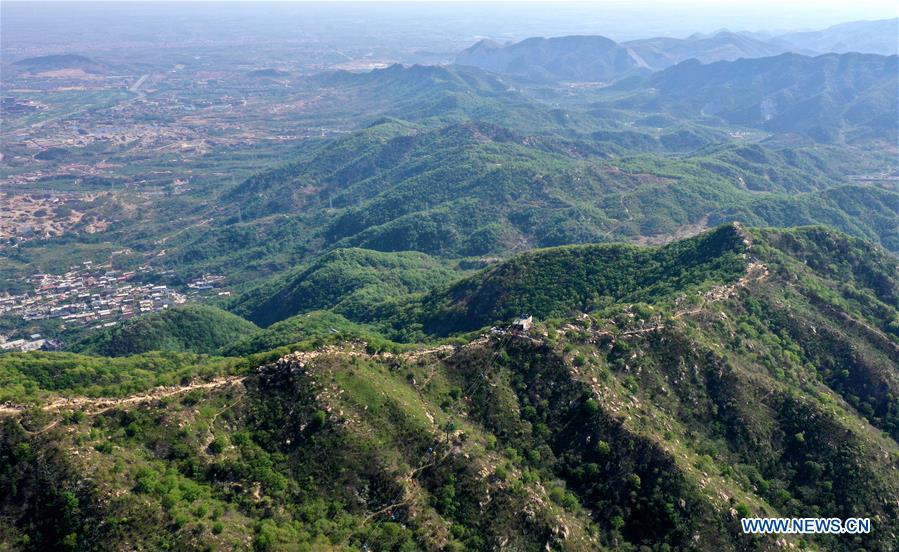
(661, 53)
(822, 97)
(599, 59)
(868, 37)
(503, 190)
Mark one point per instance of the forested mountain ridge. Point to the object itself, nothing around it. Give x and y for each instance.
(828, 97)
(660, 53)
(375, 189)
(741, 372)
(557, 281)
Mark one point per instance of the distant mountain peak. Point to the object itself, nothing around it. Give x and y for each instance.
(588, 58)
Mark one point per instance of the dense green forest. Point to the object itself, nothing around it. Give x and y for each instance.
(352, 282)
(562, 281)
(502, 190)
(188, 328)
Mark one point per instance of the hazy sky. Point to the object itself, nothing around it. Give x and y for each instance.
(462, 20)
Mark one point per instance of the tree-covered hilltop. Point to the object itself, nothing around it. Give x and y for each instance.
(865, 211)
(312, 330)
(564, 280)
(663, 394)
(351, 282)
(187, 328)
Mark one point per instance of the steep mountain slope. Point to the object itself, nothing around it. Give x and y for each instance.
(767, 389)
(190, 328)
(827, 97)
(569, 58)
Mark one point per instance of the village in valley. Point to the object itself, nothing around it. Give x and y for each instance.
(92, 297)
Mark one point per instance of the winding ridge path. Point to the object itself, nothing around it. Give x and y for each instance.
(98, 405)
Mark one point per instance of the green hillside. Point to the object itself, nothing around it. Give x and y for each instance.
(561, 281)
(435, 95)
(503, 191)
(189, 328)
(352, 282)
(866, 211)
(311, 330)
(737, 373)
(33, 377)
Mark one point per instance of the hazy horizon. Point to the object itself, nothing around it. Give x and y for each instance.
(27, 25)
